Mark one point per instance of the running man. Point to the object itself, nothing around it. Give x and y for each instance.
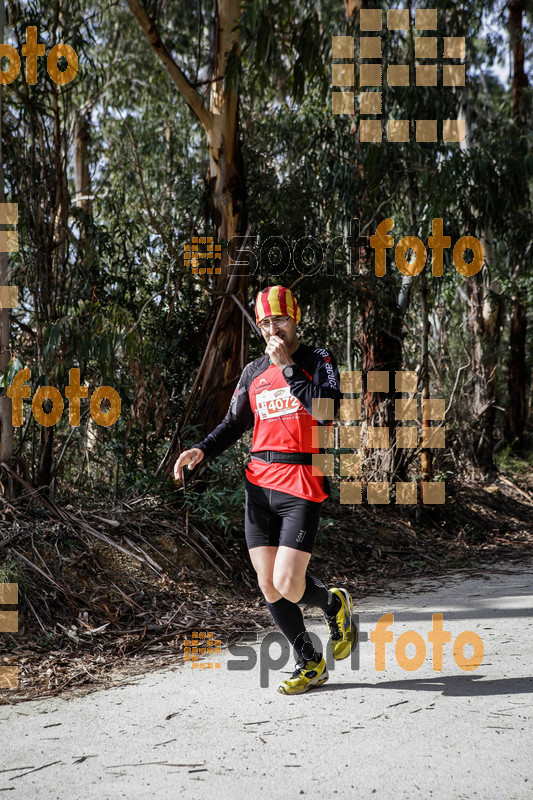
(283, 497)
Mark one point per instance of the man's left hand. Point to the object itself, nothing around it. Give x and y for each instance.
(278, 352)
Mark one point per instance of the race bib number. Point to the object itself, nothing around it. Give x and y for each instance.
(277, 403)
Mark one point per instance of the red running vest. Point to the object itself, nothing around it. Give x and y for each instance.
(279, 410)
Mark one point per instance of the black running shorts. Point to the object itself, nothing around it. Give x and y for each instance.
(275, 518)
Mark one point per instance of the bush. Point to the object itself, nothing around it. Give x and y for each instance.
(217, 496)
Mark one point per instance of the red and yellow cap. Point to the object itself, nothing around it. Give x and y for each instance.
(276, 301)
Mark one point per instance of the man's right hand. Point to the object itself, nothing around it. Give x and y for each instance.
(191, 457)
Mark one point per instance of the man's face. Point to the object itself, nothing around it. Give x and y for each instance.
(282, 327)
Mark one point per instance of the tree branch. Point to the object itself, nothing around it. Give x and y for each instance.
(179, 78)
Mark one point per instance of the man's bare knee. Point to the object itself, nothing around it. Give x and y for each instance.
(291, 587)
(270, 592)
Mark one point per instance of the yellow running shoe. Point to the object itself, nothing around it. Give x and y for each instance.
(306, 675)
(342, 631)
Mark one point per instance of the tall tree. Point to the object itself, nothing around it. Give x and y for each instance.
(517, 380)
(223, 361)
(485, 323)
(6, 426)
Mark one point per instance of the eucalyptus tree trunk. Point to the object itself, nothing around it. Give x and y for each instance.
(485, 323)
(82, 175)
(223, 362)
(56, 266)
(517, 378)
(6, 427)
(426, 456)
(380, 340)
(381, 345)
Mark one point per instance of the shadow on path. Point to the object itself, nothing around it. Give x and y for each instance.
(451, 686)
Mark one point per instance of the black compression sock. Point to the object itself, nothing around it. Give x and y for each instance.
(288, 617)
(306, 649)
(316, 594)
(290, 620)
(334, 604)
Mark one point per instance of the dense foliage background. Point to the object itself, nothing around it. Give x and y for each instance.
(114, 172)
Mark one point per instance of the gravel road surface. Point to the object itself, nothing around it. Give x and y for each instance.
(367, 733)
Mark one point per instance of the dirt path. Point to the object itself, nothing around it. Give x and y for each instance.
(386, 734)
